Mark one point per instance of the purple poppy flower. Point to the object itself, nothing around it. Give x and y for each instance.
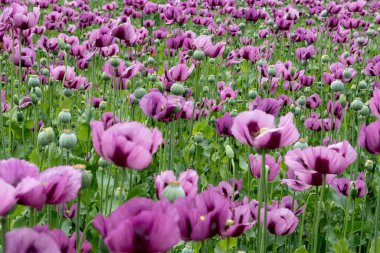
(187, 179)
(178, 73)
(250, 53)
(62, 72)
(369, 137)
(257, 129)
(224, 124)
(239, 221)
(203, 216)
(140, 225)
(61, 183)
(333, 159)
(256, 162)
(129, 145)
(109, 120)
(374, 103)
(25, 20)
(28, 57)
(28, 240)
(125, 32)
(373, 66)
(8, 198)
(281, 221)
(4, 104)
(313, 101)
(268, 105)
(305, 53)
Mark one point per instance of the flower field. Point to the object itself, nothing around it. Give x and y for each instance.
(190, 126)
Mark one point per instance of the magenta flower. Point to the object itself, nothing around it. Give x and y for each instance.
(281, 221)
(239, 220)
(305, 53)
(203, 216)
(344, 186)
(268, 105)
(374, 103)
(224, 125)
(178, 73)
(8, 198)
(187, 179)
(256, 162)
(61, 183)
(125, 32)
(257, 129)
(369, 137)
(4, 104)
(129, 145)
(373, 66)
(62, 72)
(333, 159)
(140, 225)
(28, 57)
(25, 20)
(109, 120)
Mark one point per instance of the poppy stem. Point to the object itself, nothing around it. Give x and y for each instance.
(316, 226)
(377, 218)
(346, 212)
(77, 223)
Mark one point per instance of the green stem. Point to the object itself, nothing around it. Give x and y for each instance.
(316, 226)
(3, 232)
(377, 217)
(77, 223)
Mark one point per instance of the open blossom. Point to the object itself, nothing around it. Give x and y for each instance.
(129, 145)
(374, 103)
(140, 225)
(257, 129)
(255, 162)
(369, 137)
(333, 159)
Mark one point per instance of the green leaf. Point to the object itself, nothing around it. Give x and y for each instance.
(66, 226)
(243, 164)
(35, 156)
(341, 246)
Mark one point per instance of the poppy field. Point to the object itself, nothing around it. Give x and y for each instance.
(189, 126)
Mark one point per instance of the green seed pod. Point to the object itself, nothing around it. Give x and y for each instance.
(272, 71)
(205, 89)
(297, 111)
(362, 85)
(43, 61)
(342, 100)
(16, 100)
(337, 85)
(104, 163)
(252, 94)
(212, 61)
(199, 55)
(325, 58)
(177, 89)
(49, 134)
(68, 139)
(233, 113)
(198, 138)
(103, 105)
(301, 144)
(37, 91)
(45, 72)
(20, 116)
(67, 92)
(211, 79)
(302, 101)
(105, 77)
(368, 165)
(173, 191)
(115, 61)
(42, 139)
(364, 111)
(86, 176)
(139, 93)
(357, 104)
(64, 116)
(33, 81)
(34, 99)
(347, 74)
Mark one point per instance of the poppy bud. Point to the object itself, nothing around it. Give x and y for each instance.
(135, 101)
(177, 89)
(115, 61)
(297, 111)
(42, 139)
(20, 117)
(187, 249)
(301, 144)
(347, 74)
(353, 192)
(120, 193)
(337, 86)
(43, 61)
(67, 92)
(104, 163)
(212, 61)
(139, 93)
(103, 105)
(33, 81)
(213, 119)
(37, 91)
(152, 78)
(68, 139)
(34, 99)
(192, 149)
(357, 104)
(233, 113)
(261, 62)
(61, 43)
(86, 179)
(370, 32)
(199, 55)
(342, 100)
(368, 164)
(272, 71)
(5, 55)
(64, 116)
(45, 72)
(325, 58)
(364, 111)
(198, 138)
(105, 77)
(211, 79)
(252, 94)
(362, 85)
(150, 60)
(302, 101)
(229, 152)
(324, 14)
(16, 100)
(49, 134)
(173, 191)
